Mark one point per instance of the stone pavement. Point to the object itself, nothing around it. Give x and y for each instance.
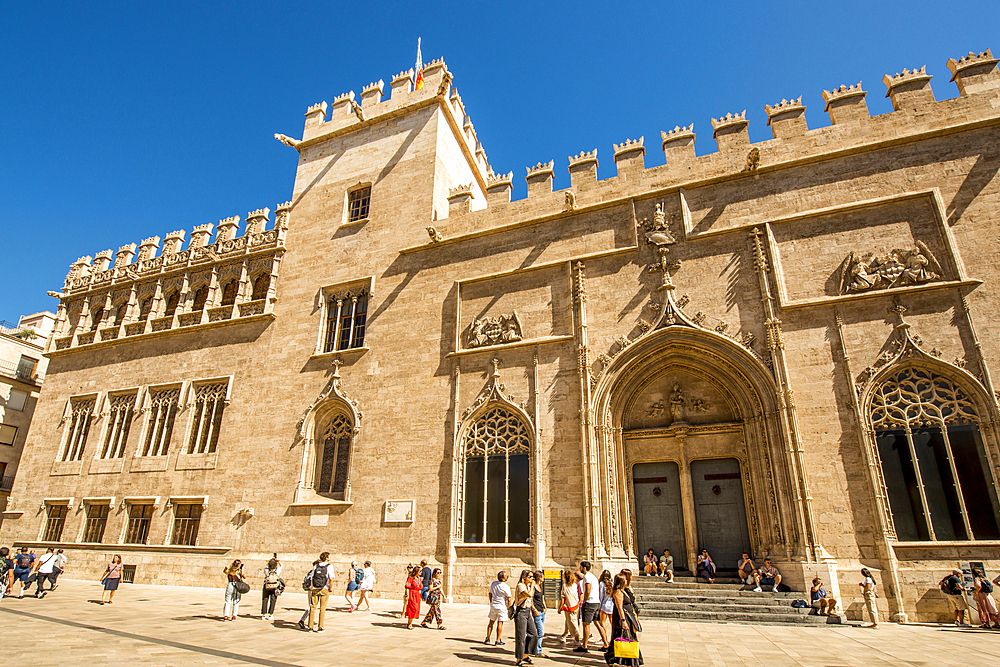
(159, 625)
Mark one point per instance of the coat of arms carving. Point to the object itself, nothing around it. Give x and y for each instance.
(494, 330)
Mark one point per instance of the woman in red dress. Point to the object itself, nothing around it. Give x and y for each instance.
(413, 586)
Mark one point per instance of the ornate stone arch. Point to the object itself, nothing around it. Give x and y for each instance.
(747, 382)
(333, 414)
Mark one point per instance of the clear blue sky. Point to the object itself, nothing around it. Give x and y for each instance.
(127, 120)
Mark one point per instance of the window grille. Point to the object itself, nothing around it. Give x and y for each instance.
(497, 447)
(209, 402)
(200, 297)
(172, 301)
(55, 522)
(97, 520)
(187, 519)
(346, 319)
(128, 574)
(357, 204)
(336, 457)
(120, 415)
(162, 412)
(933, 463)
(229, 292)
(79, 428)
(260, 286)
(139, 518)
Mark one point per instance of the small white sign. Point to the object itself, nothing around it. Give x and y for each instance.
(399, 511)
(320, 516)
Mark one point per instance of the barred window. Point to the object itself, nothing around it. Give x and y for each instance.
(260, 286)
(120, 414)
(55, 522)
(346, 319)
(97, 520)
(336, 457)
(496, 502)
(229, 292)
(162, 412)
(209, 402)
(79, 428)
(357, 204)
(187, 520)
(139, 518)
(933, 462)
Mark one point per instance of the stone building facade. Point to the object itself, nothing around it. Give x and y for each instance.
(785, 347)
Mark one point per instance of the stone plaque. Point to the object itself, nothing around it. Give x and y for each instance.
(399, 511)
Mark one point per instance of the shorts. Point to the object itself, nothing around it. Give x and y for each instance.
(815, 603)
(767, 581)
(608, 607)
(590, 610)
(498, 614)
(957, 602)
(352, 586)
(20, 574)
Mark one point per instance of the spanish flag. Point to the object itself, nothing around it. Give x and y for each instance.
(419, 68)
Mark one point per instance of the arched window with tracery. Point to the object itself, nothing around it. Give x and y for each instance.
(229, 292)
(933, 458)
(334, 457)
(496, 449)
(260, 286)
(200, 297)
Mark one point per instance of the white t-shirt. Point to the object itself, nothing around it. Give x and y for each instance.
(499, 594)
(595, 588)
(607, 602)
(48, 562)
(368, 581)
(61, 561)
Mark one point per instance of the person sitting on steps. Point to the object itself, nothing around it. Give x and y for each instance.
(747, 569)
(706, 567)
(767, 576)
(667, 565)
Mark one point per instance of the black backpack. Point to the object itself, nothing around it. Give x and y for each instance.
(320, 576)
(985, 586)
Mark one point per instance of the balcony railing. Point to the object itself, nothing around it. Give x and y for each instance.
(22, 372)
(24, 333)
(6, 483)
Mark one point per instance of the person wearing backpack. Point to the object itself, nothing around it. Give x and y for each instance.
(954, 591)
(231, 607)
(321, 585)
(354, 577)
(6, 571)
(270, 589)
(22, 569)
(984, 600)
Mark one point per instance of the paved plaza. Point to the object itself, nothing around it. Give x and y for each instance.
(157, 625)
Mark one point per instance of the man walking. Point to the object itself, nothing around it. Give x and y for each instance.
(500, 596)
(60, 565)
(43, 571)
(591, 607)
(321, 585)
(425, 577)
(22, 568)
(953, 589)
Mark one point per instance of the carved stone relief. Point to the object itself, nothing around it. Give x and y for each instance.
(896, 268)
(494, 330)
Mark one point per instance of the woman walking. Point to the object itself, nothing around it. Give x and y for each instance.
(111, 578)
(413, 586)
(231, 606)
(434, 596)
(624, 623)
(367, 585)
(354, 576)
(569, 605)
(868, 591)
(525, 633)
(538, 606)
(270, 589)
(984, 601)
(607, 602)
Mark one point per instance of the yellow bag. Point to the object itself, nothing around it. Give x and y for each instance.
(626, 648)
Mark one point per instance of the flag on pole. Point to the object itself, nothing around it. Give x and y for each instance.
(419, 68)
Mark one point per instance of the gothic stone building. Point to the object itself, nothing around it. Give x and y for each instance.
(786, 347)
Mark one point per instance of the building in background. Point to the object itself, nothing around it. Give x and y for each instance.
(22, 369)
(785, 347)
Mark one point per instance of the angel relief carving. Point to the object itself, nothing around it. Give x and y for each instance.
(494, 330)
(896, 268)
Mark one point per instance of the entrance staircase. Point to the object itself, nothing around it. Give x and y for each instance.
(726, 601)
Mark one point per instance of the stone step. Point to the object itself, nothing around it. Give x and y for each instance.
(761, 601)
(712, 589)
(769, 610)
(742, 617)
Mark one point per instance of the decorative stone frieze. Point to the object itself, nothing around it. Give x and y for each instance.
(896, 268)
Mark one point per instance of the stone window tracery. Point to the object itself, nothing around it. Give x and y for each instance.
(496, 451)
(229, 292)
(172, 302)
(335, 457)
(96, 316)
(260, 286)
(159, 428)
(200, 297)
(210, 401)
(120, 413)
(82, 415)
(933, 460)
(347, 316)
(144, 307)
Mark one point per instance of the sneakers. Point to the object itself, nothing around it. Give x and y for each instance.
(757, 590)
(319, 630)
(302, 626)
(498, 643)
(581, 649)
(774, 589)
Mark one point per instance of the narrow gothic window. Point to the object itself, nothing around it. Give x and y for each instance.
(172, 302)
(144, 307)
(96, 316)
(55, 522)
(120, 415)
(357, 204)
(209, 402)
(187, 520)
(260, 286)
(97, 520)
(79, 429)
(933, 461)
(120, 313)
(200, 297)
(346, 319)
(335, 459)
(496, 500)
(162, 412)
(229, 292)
